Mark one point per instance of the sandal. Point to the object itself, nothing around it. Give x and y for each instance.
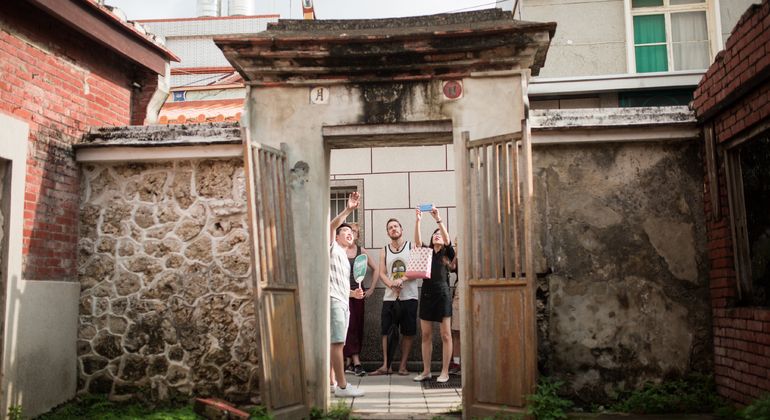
(380, 372)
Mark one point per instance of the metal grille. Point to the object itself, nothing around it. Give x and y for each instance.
(339, 200)
(454, 382)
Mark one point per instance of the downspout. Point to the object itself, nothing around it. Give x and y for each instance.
(158, 97)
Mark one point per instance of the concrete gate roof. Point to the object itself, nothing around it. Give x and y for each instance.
(451, 45)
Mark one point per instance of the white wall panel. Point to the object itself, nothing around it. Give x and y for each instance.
(351, 161)
(384, 191)
(437, 188)
(397, 159)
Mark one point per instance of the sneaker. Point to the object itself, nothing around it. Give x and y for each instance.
(454, 368)
(359, 370)
(333, 388)
(349, 392)
(349, 369)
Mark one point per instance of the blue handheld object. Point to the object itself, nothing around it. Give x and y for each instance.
(425, 207)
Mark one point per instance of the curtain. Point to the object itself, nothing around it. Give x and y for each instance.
(690, 40)
(650, 29)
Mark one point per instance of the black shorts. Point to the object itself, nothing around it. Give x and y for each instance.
(401, 314)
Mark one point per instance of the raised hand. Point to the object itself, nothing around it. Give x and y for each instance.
(354, 200)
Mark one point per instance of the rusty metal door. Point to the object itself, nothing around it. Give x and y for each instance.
(498, 295)
(281, 367)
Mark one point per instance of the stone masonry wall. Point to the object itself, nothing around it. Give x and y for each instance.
(166, 305)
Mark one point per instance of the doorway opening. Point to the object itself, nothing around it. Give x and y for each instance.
(395, 168)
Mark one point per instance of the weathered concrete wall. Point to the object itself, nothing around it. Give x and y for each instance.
(580, 46)
(621, 228)
(730, 13)
(164, 269)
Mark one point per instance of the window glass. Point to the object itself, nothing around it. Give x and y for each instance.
(646, 3)
(650, 43)
(690, 42)
(649, 29)
(755, 174)
(666, 97)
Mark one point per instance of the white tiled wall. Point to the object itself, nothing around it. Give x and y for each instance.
(404, 159)
(396, 179)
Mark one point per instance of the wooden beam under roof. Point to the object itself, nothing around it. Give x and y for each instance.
(418, 48)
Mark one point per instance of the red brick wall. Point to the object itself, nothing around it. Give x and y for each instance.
(60, 83)
(734, 96)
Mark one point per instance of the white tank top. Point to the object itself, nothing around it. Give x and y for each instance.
(395, 262)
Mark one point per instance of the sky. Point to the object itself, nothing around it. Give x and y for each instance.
(324, 9)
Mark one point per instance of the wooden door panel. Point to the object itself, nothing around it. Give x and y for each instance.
(283, 387)
(499, 313)
(286, 360)
(498, 291)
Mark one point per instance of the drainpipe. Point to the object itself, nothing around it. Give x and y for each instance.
(158, 97)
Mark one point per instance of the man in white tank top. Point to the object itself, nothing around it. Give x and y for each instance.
(399, 306)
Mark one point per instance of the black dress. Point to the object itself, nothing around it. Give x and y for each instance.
(435, 298)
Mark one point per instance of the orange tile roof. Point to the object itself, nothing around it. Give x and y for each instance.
(217, 110)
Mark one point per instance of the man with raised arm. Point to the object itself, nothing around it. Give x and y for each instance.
(339, 293)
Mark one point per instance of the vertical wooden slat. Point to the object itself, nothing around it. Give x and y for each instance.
(259, 223)
(493, 220)
(270, 213)
(712, 171)
(501, 206)
(280, 250)
(507, 213)
(486, 233)
(466, 201)
(516, 209)
(530, 326)
(477, 212)
(289, 228)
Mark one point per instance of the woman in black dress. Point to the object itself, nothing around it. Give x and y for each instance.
(435, 298)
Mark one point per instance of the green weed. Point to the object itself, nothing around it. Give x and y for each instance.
(694, 394)
(99, 407)
(338, 411)
(545, 403)
(759, 409)
(15, 412)
(259, 413)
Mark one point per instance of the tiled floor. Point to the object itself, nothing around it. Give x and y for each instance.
(394, 396)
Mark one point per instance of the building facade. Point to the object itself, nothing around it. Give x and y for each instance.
(60, 77)
(732, 103)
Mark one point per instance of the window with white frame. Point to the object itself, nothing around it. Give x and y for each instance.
(338, 200)
(670, 35)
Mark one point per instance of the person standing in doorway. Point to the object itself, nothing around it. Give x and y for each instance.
(355, 336)
(399, 306)
(435, 298)
(340, 293)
